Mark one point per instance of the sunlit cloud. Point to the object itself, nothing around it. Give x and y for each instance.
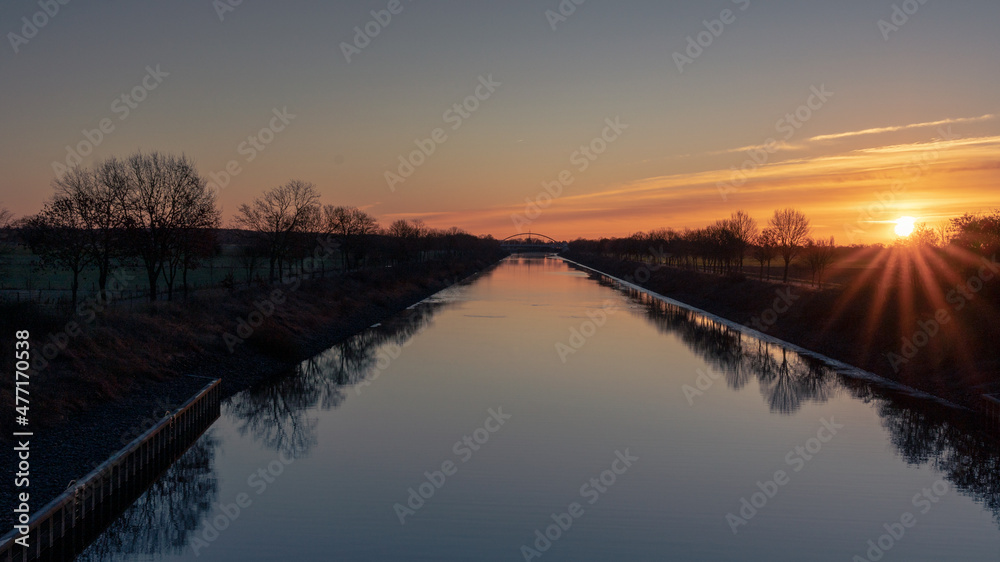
(831, 189)
(891, 129)
(781, 145)
(933, 145)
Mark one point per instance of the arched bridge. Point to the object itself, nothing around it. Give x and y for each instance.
(532, 242)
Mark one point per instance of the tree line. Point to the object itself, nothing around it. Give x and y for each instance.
(155, 211)
(724, 246)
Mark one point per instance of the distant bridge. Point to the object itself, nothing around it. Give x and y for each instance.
(532, 242)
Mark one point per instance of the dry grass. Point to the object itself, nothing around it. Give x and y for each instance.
(859, 323)
(122, 348)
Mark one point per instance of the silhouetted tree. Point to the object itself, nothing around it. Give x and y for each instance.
(6, 221)
(819, 255)
(922, 236)
(277, 216)
(60, 238)
(979, 234)
(98, 196)
(192, 246)
(249, 257)
(352, 227)
(302, 242)
(745, 231)
(765, 250)
(165, 201)
(405, 235)
(791, 228)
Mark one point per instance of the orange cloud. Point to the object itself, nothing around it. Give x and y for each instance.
(891, 129)
(870, 187)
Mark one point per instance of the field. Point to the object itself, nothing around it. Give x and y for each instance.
(23, 278)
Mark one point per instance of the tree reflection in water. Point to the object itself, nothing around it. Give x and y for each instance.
(276, 412)
(786, 379)
(163, 519)
(952, 441)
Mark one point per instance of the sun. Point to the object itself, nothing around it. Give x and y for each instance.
(904, 226)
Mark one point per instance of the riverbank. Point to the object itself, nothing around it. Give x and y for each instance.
(866, 327)
(127, 369)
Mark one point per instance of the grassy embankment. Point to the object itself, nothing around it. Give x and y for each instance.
(119, 350)
(127, 365)
(941, 340)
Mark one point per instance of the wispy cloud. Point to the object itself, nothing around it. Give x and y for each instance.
(991, 141)
(891, 129)
(828, 188)
(782, 145)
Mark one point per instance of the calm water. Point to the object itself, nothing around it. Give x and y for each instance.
(605, 424)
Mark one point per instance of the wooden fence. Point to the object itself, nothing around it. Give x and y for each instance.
(64, 527)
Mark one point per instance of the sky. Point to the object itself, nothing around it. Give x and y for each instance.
(653, 114)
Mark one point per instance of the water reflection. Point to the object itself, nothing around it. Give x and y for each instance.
(283, 414)
(950, 440)
(787, 380)
(280, 413)
(276, 413)
(164, 518)
(953, 445)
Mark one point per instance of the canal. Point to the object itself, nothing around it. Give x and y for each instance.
(542, 412)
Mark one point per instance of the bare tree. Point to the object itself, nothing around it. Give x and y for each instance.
(249, 256)
(402, 229)
(722, 245)
(165, 201)
(819, 255)
(98, 196)
(302, 242)
(192, 244)
(405, 236)
(941, 230)
(791, 228)
(352, 227)
(765, 250)
(745, 230)
(6, 221)
(59, 236)
(277, 215)
(6, 218)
